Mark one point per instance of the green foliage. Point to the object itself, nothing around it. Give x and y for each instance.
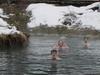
(17, 17)
(61, 29)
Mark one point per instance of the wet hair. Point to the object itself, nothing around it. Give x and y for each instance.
(60, 43)
(52, 51)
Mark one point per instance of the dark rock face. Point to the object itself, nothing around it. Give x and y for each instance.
(99, 8)
(24, 3)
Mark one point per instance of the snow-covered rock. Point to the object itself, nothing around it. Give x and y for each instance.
(51, 15)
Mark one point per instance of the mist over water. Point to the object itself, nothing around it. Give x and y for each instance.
(35, 59)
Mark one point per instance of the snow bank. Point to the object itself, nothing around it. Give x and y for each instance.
(2, 14)
(1, 11)
(3, 23)
(51, 15)
(44, 14)
(5, 28)
(91, 19)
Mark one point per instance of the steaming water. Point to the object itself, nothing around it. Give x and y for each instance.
(35, 59)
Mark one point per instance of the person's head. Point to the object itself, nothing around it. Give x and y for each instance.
(54, 54)
(60, 43)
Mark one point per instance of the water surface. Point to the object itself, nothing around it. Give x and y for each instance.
(35, 59)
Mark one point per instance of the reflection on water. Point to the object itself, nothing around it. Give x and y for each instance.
(34, 60)
(11, 63)
(53, 68)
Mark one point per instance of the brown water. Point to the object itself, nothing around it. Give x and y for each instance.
(35, 60)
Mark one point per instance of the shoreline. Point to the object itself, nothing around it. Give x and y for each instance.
(66, 35)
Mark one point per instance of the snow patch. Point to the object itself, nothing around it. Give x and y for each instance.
(5, 28)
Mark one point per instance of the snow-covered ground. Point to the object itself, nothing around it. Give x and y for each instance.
(5, 28)
(51, 15)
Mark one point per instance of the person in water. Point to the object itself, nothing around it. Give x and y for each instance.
(54, 55)
(60, 45)
(86, 43)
